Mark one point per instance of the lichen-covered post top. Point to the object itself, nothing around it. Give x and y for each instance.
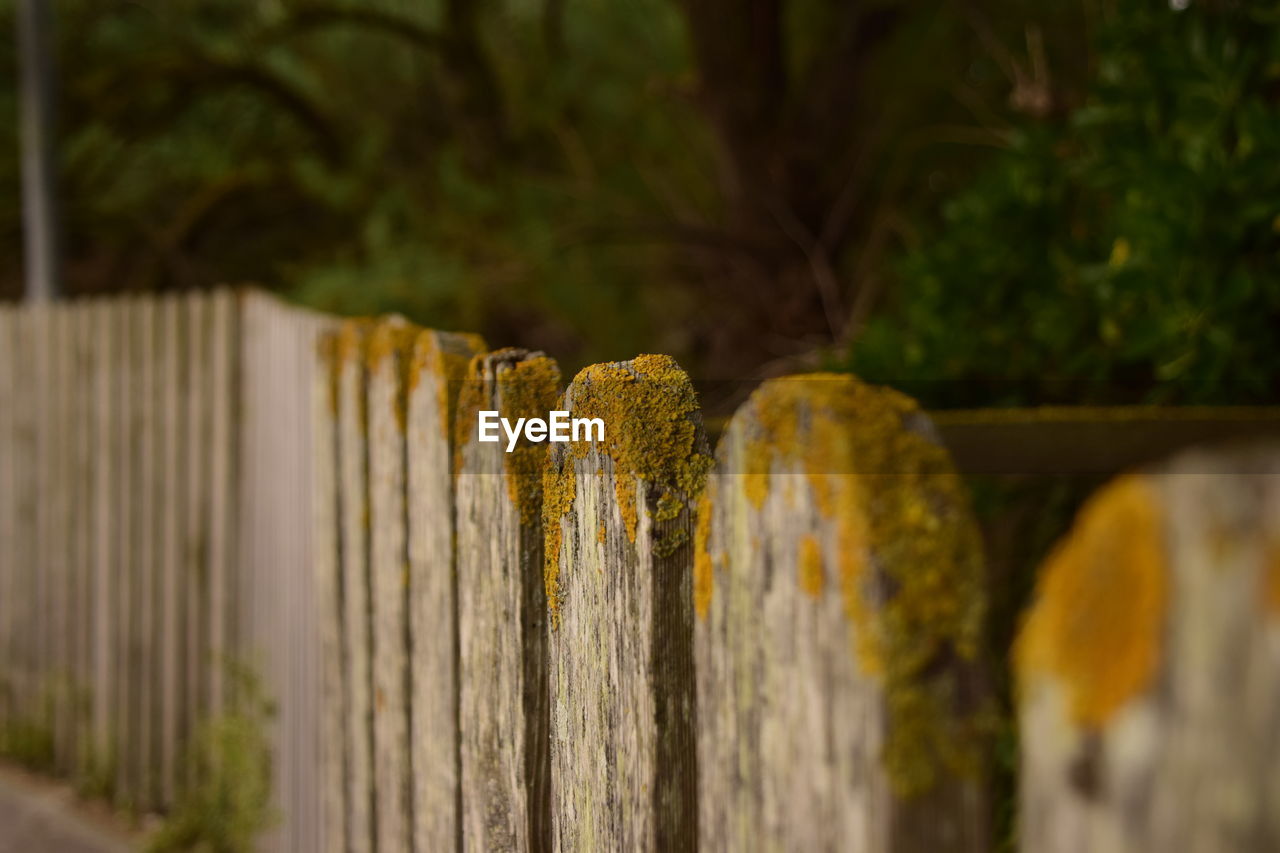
(1148, 668)
(653, 432)
(522, 384)
(894, 539)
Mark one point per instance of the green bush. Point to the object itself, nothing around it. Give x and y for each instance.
(230, 803)
(1126, 254)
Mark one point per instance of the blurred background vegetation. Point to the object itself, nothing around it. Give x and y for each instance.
(997, 202)
(982, 202)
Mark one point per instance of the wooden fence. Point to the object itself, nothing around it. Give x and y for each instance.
(156, 538)
(637, 643)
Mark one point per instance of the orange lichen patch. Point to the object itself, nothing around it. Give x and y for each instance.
(392, 338)
(908, 557)
(350, 346)
(517, 384)
(811, 579)
(559, 488)
(528, 388)
(651, 433)
(1271, 578)
(624, 491)
(327, 350)
(473, 395)
(703, 568)
(444, 357)
(1100, 607)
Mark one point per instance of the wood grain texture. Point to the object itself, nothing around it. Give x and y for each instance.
(9, 564)
(386, 357)
(326, 503)
(106, 333)
(357, 637)
(60, 497)
(168, 534)
(125, 451)
(274, 603)
(223, 487)
(833, 694)
(85, 408)
(436, 366)
(618, 524)
(198, 412)
(1150, 666)
(27, 542)
(502, 609)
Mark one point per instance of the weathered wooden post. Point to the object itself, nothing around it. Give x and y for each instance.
(838, 594)
(386, 355)
(618, 521)
(437, 363)
(326, 506)
(392, 388)
(196, 546)
(1149, 666)
(349, 365)
(9, 560)
(108, 342)
(502, 608)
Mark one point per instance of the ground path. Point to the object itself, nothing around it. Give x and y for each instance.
(39, 816)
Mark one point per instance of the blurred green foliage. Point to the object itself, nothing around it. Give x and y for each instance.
(1127, 255)
(722, 180)
(230, 803)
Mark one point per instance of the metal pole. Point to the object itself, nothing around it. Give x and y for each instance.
(35, 116)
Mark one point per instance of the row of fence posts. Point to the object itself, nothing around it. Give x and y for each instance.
(155, 543)
(636, 643)
(642, 644)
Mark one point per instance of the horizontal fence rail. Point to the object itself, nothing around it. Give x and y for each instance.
(217, 510)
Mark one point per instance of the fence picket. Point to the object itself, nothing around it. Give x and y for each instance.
(618, 525)
(1148, 667)
(838, 591)
(504, 713)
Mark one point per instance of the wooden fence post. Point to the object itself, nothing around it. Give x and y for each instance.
(9, 560)
(356, 627)
(618, 524)
(433, 374)
(394, 388)
(124, 453)
(108, 341)
(1150, 670)
(387, 355)
(502, 608)
(86, 476)
(327, 500)
(838, 596)
(59, 489)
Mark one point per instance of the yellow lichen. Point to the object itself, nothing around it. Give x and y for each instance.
(812, 580)
(517, 385)
(527, 389)
(392, 338)
(703, 568)
(1100, 605)
(624, 491)
(350, 344)
(444, 357)
(651, 433)
(908, 555)
(472, 397)
(559, 487)
(1271, 579)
